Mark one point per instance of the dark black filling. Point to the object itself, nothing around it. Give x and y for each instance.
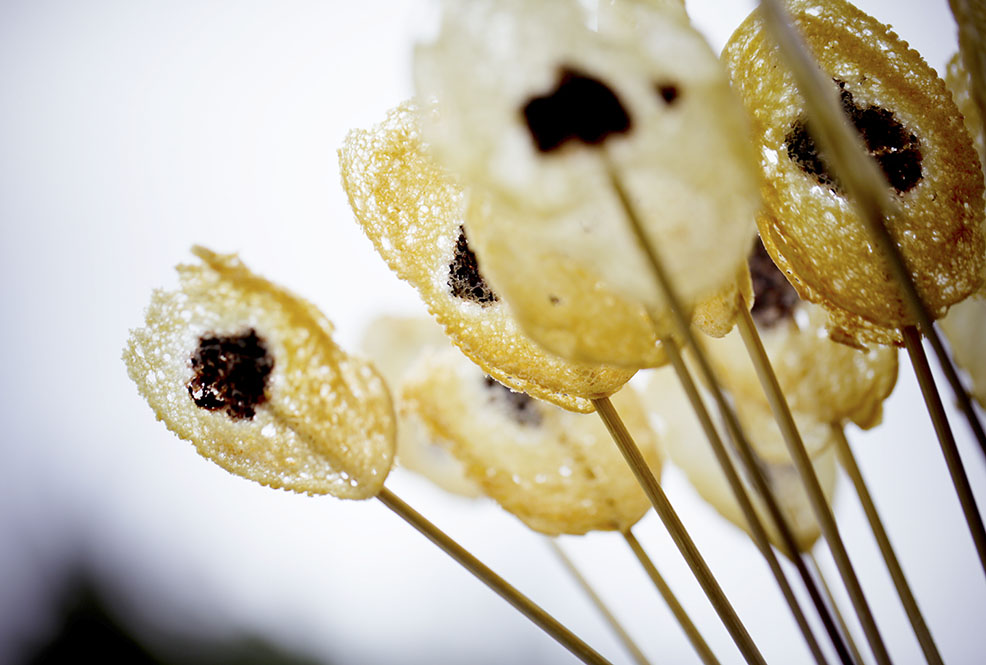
(579, 108)
(230, 374)
(464, 279)
(774, 299)
(522, 407)
(668, 92)
(896, 150)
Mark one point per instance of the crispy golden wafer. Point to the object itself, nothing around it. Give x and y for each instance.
(557, 471)
(250, 375)
(684, 441)
(411, 209)
(909, 124)
(540, 113)
(830, 381)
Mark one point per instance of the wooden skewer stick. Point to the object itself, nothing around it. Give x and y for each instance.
(816, 496)
(865, 183)
(919, 361)
(907, 599)
(757, 530)
(527, 607)
(963, 401)
(677, 530)
(614, 623)
(691, 632)
(835, 606)
(747, 455)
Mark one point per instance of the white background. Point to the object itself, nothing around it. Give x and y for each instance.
(130, 130)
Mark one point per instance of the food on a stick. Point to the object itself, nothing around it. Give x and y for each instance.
(910, 126)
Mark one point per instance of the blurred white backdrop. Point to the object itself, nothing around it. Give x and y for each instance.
(132, 130)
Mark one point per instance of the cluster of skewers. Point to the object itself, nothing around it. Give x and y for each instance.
(577, 198)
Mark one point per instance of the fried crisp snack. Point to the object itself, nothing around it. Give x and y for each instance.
(412, 211)
(683, 439)
(830, 381)
(538, 114)
(909, 124)
(250, 375)
(395, 343)
(559, 472)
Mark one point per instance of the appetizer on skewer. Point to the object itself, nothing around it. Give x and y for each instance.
(830, 381)
(412, 211)
(911, 127)
(250, 375)
(555, 470)
(541, 115)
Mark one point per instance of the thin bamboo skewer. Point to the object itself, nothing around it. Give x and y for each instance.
(919, 361)
(810, 556)
(816, 496)
(921, 630)
(691, 632)
(866, 185)
(744, 448)
(677, 530)
(757, 530)
(527, 607)
(614, 623)
(963, 400)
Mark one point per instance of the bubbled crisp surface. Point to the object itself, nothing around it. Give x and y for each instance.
(810, 230)
(412, 211)
(558, 471)
(327, 425)
(832, 381)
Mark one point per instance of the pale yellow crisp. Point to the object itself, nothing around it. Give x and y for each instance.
(818, 376)
(412, 211)
(809, 229)
(557, 471)
(327, 425)
(554, 234)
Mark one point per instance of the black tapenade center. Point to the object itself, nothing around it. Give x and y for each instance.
(774, 299)
(580, 108)
(464, 279)
(519, 406)
(897, 150)
(230, 374)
